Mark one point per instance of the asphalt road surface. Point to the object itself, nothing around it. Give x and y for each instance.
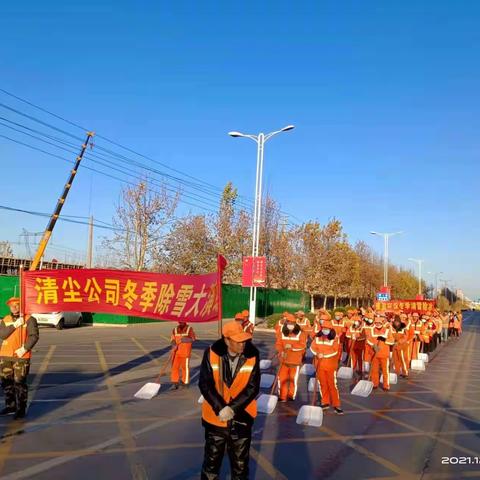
(83, 421)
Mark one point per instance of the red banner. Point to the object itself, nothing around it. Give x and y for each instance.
(193, 298)
(254, 272)
(407, 306)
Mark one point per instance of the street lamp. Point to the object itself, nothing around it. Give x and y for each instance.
(436, 281)
(260, 140)
(419, 263)
(386, 237)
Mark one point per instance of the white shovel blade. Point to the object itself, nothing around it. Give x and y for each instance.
(423, 356)
(312, 383)
(266, 403)
(148, 391)
(266, 380)
(311, 416)
(418, 365)
(366, 367)
(363, 388)
(392, 378)
(265, 364)
(345, 373)
(200, 399)
(307, 369)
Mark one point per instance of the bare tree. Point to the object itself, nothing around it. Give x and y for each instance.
(141, 217)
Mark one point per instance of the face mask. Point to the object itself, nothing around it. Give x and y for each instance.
(290, 326)
(337, 317)
(369, 321)
(356, 324)
(325, 331)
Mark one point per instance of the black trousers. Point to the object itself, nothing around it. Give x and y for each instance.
(13, 374)
(236, 441)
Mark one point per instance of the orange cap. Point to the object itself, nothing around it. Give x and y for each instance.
(234, 331)
(239, 316)
(245, 313)
(289, 317)
(13, 300)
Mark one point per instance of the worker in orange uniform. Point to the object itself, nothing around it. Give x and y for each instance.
(324, 347)
(368, 352)
(182, 338)
(418, 331)
(18, 336)
(303, 321)
(351, 313)
(281, 323)
(401, 337)
(380, 339)
(355, 336)
(321, 316)
(338, 324)
(243, 319)
(291, 345)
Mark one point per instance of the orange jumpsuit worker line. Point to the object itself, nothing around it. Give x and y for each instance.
(368, 351)
(291, 345)
(324, 347)
(182, 338)
(380, 339)
(338, 324)
(418, 331)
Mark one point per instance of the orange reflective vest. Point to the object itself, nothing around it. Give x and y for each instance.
(15, 340)
(184, 349)
(329, 351)
(239, 384)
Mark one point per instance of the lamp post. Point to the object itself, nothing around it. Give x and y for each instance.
(419, 263)
(260, 140)
(386, 237)
(435, 274)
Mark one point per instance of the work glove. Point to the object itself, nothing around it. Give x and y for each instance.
(287, 346)
(20, 352)
(226, 414)
(18, 322)
(319, 355)
(376, 348)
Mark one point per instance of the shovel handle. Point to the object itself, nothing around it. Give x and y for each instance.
(275, 382)
(165, 365)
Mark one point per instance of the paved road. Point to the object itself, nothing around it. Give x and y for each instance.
(83, 420)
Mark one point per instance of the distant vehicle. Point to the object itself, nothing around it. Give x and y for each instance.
(59, 320)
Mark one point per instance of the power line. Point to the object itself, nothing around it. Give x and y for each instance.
(115, 154)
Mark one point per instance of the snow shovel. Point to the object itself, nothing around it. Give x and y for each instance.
(310, 415)
(366, 367)
(267, 403)
(392, 377)
(364, 387)
(266, 380)
(265, 364)
(346, 373)
(149, 390)
(423, 356)
(418, 365)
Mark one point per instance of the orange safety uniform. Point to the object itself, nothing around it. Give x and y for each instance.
(381, 358)
(229, 393)
(16, 340)
(356, 346)
(418, 332)
(368, 351)
(325, 350)
(401, 348)
(304, 323)
(182, 338)
(291, 346)
(340, 329)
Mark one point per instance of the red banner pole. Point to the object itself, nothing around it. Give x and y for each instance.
(221, 263)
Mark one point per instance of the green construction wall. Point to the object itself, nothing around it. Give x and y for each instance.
(235, 298)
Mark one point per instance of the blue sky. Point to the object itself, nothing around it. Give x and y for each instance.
(384, 96)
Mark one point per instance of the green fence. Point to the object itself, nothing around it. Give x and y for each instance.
(235, 299)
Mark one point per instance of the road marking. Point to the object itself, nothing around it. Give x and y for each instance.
(266, 465)
(65, 458)
(136, 467)
(6, 445)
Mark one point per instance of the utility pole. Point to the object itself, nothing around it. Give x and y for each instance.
(61, 201)
(419, 262)
(90, 244)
